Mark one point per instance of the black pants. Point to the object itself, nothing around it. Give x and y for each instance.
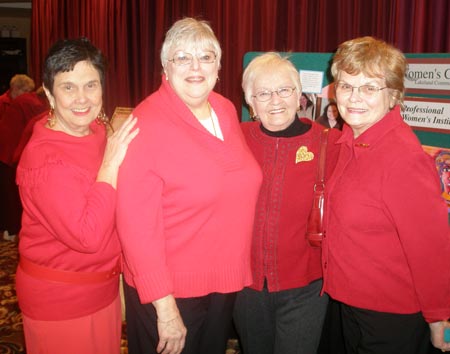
(281, 322)
(371, 332)
(332, 339)
(207, 319)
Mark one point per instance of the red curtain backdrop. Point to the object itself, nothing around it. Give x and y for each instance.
(130, 33)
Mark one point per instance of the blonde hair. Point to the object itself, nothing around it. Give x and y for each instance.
(270, 61)
(374, 58)
(23, 82)
(191, 32)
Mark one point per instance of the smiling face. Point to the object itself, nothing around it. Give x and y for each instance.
(192, 82)
(277, 113)
(76, 99)
(361, 112)
(332, 112)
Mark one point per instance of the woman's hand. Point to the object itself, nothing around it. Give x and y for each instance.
(172, 335)
(437, 335)
(117, 144)
(171, 329)
(115, 151)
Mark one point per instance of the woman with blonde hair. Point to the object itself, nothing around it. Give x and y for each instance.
(386, 254)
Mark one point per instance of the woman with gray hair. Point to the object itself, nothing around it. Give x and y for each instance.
(186, 202)
(282, 310)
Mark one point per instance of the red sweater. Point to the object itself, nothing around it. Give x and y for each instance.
(67, 223)
(15, 117)
(26, 135)
(280, 252)
(388, 244)
(186, 201)
(5, 101)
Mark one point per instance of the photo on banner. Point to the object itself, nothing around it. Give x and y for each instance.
(441, 157)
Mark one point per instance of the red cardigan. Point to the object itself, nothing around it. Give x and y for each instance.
(67, 223)
(280, 252)
(186, 201)
(388, 244)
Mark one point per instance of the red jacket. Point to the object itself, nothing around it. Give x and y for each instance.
(5, 102)
(186, 201)
(280, 251)
(15, 117)
(388, 243)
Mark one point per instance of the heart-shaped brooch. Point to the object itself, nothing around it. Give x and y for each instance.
(303, 154)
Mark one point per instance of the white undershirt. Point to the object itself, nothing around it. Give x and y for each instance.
(211, 123)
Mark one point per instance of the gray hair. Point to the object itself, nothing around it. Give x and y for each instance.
(270, 61)
(192, 32)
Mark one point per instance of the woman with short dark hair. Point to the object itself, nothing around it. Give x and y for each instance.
(70, 257)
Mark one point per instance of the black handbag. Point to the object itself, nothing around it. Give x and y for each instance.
(314, 230)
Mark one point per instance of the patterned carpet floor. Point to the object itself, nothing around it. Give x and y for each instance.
(11, 332)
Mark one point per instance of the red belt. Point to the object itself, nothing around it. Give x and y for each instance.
(64, 276)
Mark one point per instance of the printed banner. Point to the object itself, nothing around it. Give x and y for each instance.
(428, 76)
(427, 114)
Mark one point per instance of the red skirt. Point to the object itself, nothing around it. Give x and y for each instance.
(98, 333)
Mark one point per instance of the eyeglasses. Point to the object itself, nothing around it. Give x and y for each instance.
(366, 91)
(282, 92)
(182, 58)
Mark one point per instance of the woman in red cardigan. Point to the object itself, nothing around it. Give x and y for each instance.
(68, 276)
(386, 257)
(282, 311)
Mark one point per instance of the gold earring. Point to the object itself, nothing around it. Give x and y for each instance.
(102, 118)
(252, 113)
(51, 119)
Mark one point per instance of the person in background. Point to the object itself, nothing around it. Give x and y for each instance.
(306, 108)
(18, 85)
(186, 199)
(331, 117)
(282, 310)
(67, 280)
(28, 105)
(10, 206)
(35, 106)
(15, 117)
(386, 254)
